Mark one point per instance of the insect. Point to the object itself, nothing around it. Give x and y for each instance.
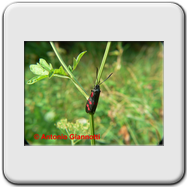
(92, 102)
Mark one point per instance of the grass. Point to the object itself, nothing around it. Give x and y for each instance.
(130, 109)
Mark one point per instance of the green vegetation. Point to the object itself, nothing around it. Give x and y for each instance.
(130, 109)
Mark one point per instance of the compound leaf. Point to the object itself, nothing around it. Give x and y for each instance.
(36, 79)
(38, 70)
(44, 64)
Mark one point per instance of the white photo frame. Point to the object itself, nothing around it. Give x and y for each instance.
(36, 22)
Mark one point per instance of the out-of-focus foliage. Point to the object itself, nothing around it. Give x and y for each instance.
(130, 108)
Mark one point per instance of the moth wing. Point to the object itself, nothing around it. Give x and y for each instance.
(89, 105)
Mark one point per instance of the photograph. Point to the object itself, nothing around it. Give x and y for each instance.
(86, 93)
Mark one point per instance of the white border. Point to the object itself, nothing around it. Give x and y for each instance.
(94, 22)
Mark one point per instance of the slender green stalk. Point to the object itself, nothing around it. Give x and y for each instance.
(61, 76)
(103, 62)
(92, 128)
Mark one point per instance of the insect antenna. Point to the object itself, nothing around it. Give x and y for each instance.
(105, 79)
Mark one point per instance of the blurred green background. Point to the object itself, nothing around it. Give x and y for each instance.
(130, 108)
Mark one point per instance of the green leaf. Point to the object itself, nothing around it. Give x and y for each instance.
(60, 71)
(38, 70)
(51, 67)
(44, 64)
(70, 68)
(51, 72)
(76, 61)
(36, 79)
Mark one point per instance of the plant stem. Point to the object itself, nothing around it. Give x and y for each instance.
(103, 62)
(61, 76)
(92, 128)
